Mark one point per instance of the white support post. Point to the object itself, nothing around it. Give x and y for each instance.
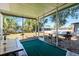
(22, 28)
(1, 26)
(38, 26)
(43, 32)
(57, 25)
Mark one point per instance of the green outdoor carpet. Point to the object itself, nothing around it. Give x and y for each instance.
(40, 48)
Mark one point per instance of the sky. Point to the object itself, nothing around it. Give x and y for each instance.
(19, 21)
(49, 23)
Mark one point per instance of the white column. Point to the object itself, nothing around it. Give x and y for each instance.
(57, 25)
(43, 30)
(1, 26)
(35, 27)
(22, 28)
(38, 26)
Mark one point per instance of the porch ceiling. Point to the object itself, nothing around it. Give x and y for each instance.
(33, 9)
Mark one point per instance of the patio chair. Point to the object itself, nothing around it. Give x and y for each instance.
(68, 36)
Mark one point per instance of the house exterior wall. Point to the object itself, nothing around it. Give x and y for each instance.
(76, 27)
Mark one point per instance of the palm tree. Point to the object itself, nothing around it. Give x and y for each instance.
(9, 24)
(27, 25)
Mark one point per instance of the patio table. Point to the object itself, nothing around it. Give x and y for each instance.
(11, 47)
